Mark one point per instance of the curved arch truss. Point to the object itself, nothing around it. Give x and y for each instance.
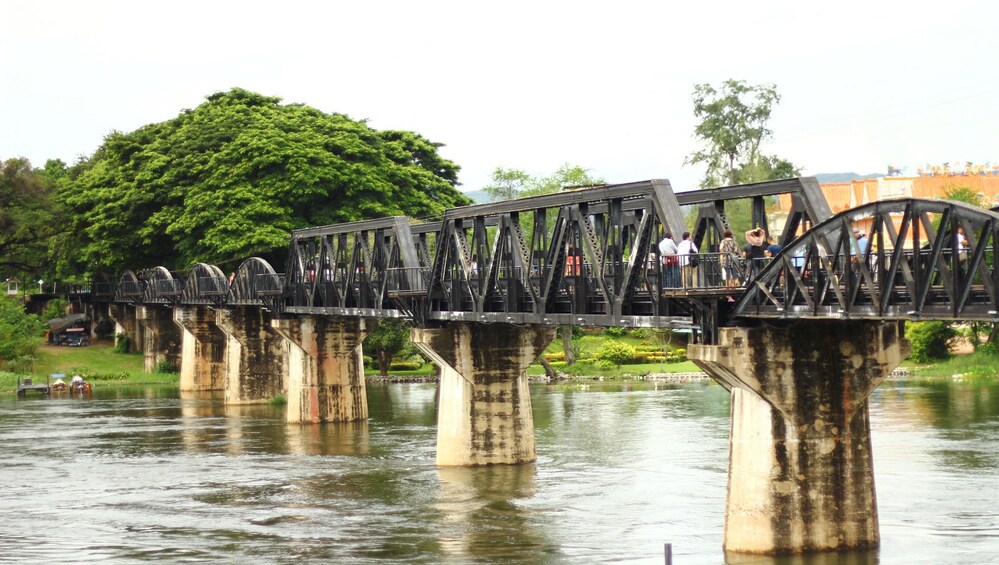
(923, 259)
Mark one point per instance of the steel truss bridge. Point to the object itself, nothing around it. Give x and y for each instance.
(591, 257)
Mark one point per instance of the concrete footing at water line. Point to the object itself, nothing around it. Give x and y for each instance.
(801, 477)
(203, 349)
(125, 326)
(325, 368)
(160, 336)
(256, 355)
(484, 410)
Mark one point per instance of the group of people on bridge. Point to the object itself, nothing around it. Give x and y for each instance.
(683, 266)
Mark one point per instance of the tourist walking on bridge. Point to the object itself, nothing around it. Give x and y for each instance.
(671, 268)
(755, 250)
(729, 258)
(686, 252)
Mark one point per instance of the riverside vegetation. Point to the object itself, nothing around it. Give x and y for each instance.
(600, 353)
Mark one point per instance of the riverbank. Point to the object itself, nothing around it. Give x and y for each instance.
(102, 365)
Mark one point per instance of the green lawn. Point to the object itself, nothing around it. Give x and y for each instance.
(972, 365)
(98, 362)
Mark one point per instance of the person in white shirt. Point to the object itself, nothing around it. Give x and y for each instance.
(671, 268)
(688, 264)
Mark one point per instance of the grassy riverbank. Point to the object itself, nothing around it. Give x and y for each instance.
(103, 366)
(98, 362)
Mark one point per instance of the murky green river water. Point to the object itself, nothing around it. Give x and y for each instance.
(136, 475)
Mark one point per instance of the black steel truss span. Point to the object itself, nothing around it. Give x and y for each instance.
(584, 257)
(924, 259)
(370, 268)
(580, 257)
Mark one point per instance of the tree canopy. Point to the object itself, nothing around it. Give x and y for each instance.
(232, 177)
(508, 184)
(30, 216)
(733, 125)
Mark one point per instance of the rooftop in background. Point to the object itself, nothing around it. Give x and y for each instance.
(846, 195)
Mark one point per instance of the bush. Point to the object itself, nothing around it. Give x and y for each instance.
(641, 333)
(55, 308)
(91, 375)
(928, 340)
(121, 343)
(615, 352)
(405, 365)
(19, 331)
(614, 332)
(558, 364)
(989, 349)
(165, 366)
(606, 364)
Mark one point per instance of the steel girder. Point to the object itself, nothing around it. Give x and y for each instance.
(808, 207)
(369, 268)
(913, 267)
(579, 257)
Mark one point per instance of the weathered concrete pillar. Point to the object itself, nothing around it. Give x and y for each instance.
(96, 312)
(160, 336)
(256, 355)
(126, 325)
(325, 368)
(484, 415)
(801, 475)
(202, 357)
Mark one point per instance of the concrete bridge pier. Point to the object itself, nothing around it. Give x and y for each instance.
(801, 475)
(484, 411)
(325, 368)
(202, 360)
(256, 355)
(160, 336)
(126, 325)
(99, 313)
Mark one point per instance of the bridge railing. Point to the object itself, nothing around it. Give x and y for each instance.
(876, 264)
(213, 286)
(168, 288)
(405, 282)
(269, 284)
(130, 289)
(712, 271)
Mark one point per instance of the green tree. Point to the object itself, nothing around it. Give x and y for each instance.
(514, 183)
(732, 127)
(30, 216)
(19, 331)
(508, 184)
(232, 177)
(390, 338)
(928, 340)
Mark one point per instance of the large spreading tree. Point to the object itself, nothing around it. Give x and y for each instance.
(30, 216)
(733, 125)
(232, 177)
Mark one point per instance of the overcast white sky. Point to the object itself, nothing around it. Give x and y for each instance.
(528, 85)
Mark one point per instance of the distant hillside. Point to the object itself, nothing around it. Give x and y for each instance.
(478, 196)
(844, 177)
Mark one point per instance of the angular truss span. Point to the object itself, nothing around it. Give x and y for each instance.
(578, 257)
(922, 259)
(362, 268)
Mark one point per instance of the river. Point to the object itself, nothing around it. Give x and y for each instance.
(146, 474)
